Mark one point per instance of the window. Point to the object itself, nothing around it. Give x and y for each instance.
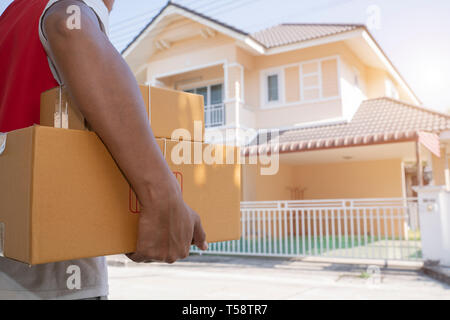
(272, 88)
(214, 107)
(304, 82)
(203, 91)
(216, 94)
(319, 79)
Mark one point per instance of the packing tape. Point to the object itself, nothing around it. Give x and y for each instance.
(57, 114)
(2, 142)
(165, 148)
(61, 115)
(2, 238)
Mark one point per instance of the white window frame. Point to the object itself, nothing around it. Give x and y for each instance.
(208, 85)
(265, 74)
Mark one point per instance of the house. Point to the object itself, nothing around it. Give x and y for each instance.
(349, 125)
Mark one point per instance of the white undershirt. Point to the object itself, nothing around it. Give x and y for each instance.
(99, 9)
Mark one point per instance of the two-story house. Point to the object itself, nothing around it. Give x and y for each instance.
(350, 126)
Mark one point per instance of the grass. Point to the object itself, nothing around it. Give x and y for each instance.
(308, 246)
(414, 235)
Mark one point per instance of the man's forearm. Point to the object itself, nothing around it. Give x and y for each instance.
(103, 87)
(105, 90)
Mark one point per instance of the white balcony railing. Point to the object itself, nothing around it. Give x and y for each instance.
(214, 115)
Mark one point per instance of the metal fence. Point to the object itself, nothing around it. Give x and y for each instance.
(385, 229)
(214, 115)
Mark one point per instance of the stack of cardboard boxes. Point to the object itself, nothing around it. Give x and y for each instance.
(62, 196)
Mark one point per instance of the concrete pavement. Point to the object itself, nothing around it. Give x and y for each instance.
(216, 277)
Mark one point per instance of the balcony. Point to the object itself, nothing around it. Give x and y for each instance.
(214, 115)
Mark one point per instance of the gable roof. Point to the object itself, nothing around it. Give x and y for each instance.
(275, 36)
(380, 120)
(289, 33)
(280, 38)
(186, 9)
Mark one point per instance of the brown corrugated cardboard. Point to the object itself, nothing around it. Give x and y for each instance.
(59, 203)
(168, 110)
(58, 111)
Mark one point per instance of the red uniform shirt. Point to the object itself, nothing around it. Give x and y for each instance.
(24, 69)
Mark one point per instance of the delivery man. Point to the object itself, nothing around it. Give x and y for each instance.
(48, 43)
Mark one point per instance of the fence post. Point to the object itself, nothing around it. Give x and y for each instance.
(434, 213)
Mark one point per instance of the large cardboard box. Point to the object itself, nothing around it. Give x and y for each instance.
(168, 111)
(61, 203)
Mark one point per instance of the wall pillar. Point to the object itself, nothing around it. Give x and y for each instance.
(440, 168)
(234, 92)
(434, 213)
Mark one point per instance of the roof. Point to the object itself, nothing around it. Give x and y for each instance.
(290, 33)
(380, 120)
(275, 36)
(176, 5)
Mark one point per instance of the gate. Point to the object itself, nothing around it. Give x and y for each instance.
(385, 229)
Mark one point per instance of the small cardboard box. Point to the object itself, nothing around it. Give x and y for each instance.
(57, 110)
(59, 203)
(168, 110)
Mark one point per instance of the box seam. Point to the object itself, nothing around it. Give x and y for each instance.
(31, 196)
(149, 93)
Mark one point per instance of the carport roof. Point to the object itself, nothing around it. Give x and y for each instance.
(381, 120)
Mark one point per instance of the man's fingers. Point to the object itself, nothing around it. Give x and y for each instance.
(138, 258)
(135, 257)
(199, 237)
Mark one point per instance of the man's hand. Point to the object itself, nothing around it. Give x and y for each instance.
(167, 228)
(103, 87)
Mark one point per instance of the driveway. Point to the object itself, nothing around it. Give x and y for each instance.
(216, 277)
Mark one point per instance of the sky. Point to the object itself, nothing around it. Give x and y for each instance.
(415, 34)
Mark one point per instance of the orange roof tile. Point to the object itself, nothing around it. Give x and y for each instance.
(289, 33)
(379, 120)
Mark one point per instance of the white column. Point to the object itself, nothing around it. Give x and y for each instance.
(447, 169)
(237, 91)
(434, 213)
(234, 86)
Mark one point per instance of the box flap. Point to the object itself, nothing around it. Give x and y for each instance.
(15, 193)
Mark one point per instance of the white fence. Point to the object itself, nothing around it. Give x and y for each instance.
(214, 115)
(385, 229)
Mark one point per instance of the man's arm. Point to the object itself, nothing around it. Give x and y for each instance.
(105, 90)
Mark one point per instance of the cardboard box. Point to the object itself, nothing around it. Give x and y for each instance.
(168, 110)
(61, 203)
(57, 110)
